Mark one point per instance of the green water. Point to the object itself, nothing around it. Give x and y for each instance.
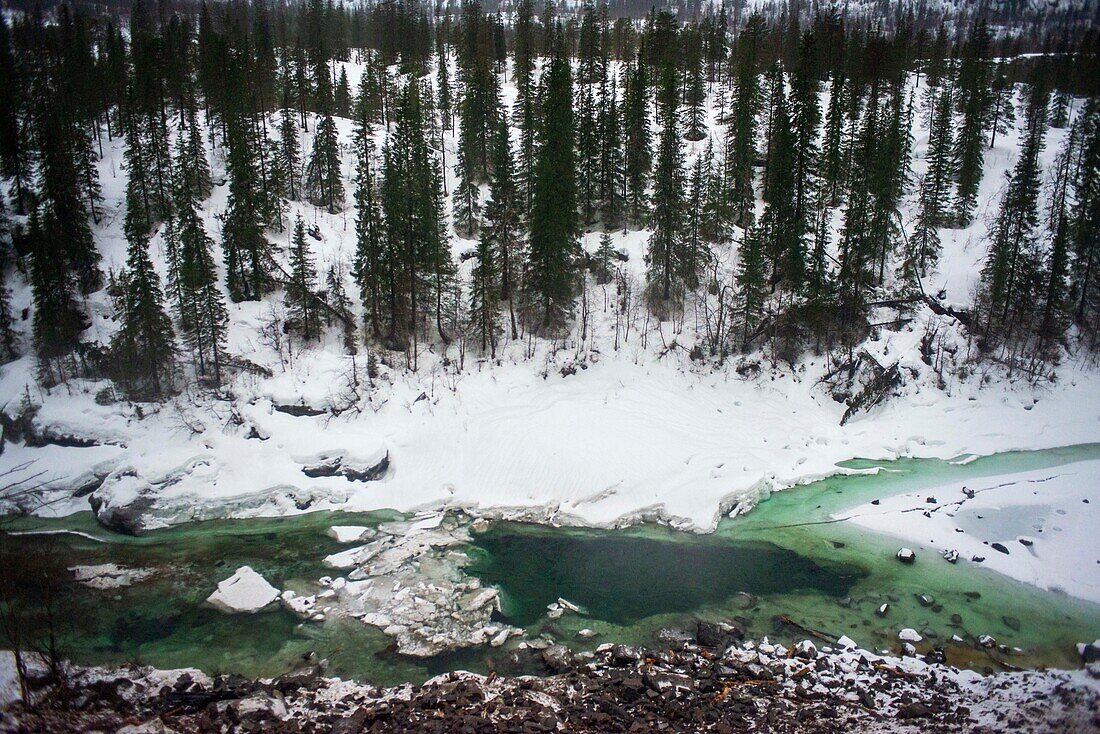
(787, 554)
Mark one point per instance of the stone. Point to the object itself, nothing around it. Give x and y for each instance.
(805, 650)
(999, 548)
(925, 600)
(1011, 622)
(986, 641)
(909, 635)
(1089, 652)
(906, 555)
(951, 555)
(882, 610)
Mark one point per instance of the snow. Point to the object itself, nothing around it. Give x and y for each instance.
(909, 635)
(347, 533)
(109, 575)
(1056, 511)
(245, 591)
(633, 430)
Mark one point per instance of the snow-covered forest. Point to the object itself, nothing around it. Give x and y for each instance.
(578, 263)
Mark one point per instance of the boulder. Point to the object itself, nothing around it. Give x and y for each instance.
(909, 635)
(905, 555)
(951, 555)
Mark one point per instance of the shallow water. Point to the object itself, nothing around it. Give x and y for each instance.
(787, 555)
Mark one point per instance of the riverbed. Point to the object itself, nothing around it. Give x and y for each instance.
(793, 567)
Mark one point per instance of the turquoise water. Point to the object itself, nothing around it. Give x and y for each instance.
(785, 562)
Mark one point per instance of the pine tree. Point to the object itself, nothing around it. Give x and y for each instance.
(289, 157)
(341, 306)
(549, 278)
(485, 295)
(612, 186)
(143, 351)
(323, 186)
(1003, 115)
(1084, 219)
(741, 128)
(7, 317)
(974, 101)
(504, 231)
(751, 282)
(524, 116)
(588, 154)
(637, 152)
(669, 262)
(370, 268)
(924, 244)
(603, 260)
(1006, 293)
(301, 303)
(342, 95)
(192, 276)
(695, 90)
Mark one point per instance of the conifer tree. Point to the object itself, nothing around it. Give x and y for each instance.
(143, 351)
(503, 231)
(669, 262)
(924, 244)
(695, 90)
(1084, 219)
(342, 95)
(974, 100)
(741, 128)
(1006, 293)
(751, 281)
(289, 157)
(612, 163)
(7, 317)
(370, 268)
(549, 282)
(524, 110)
(323, 186)
(192, 275)
(485, 295)
(301, 304)
(1003, 114)
(588, 153)
(638, 157)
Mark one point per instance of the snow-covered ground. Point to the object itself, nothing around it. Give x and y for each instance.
(1045, 523)
(618, 425)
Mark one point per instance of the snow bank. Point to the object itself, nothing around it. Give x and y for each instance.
(1039, 526)
(245, 591)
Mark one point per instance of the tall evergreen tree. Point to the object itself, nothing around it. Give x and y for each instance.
(1009, 277)
(503, 231)
(301, 300)
(668, 259)
(143, 351)
(323, 185)
(638, 156)
(371, 260)
(974, 100)
(1085, 225)
(924, 243)
(549, 282)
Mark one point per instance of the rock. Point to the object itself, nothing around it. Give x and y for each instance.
(1011, 622)
(570, 606)
(717, 635)
(558, 658)
(908, 649)
(882, 610)
(109, 576)
(909, 635)
(905, 555)
(977, 559)
(914, 710)
(972, 595)
(956, 619)
(1089, 652)
(1026, 542)
(951, 556)
(937, 656)
(805, 650)
(925, 600)
(586, 633)
(245, 591)
(846, 643)
(999, 547)
(986, 641)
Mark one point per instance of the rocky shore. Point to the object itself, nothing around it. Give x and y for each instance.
(710, 684)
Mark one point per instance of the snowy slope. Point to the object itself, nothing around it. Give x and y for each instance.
(640, 430)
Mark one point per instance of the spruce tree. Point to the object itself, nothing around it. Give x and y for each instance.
(301, 301)
(751, 282)
(638, 156)
(549, 279)
(1084, 219)
(668, 260)
(741, 127)
(503, 230)
(7, 317)
(924, 243)
(485, 295)
(289, 157)
(323, 186)
(143, 350)
(1006, 292)
(370, 268)
(695, 90)
(974, 100)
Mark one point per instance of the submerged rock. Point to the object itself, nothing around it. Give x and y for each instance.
(245, 591)
(905, 555)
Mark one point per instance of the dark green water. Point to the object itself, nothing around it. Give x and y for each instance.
(787, 553)
(621, 578)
